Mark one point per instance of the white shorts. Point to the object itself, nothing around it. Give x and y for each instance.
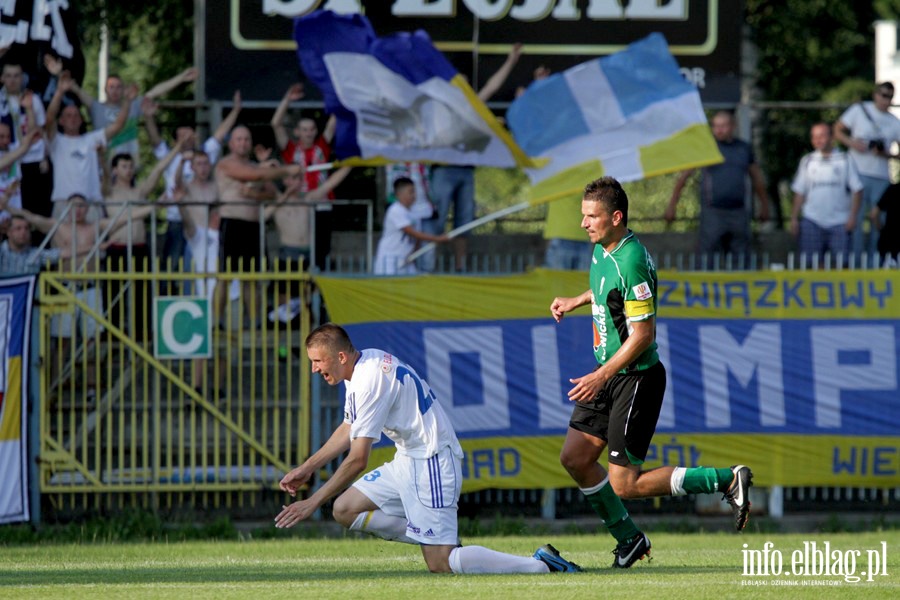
(424, 491)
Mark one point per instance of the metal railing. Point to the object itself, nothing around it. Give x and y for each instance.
(122, 426)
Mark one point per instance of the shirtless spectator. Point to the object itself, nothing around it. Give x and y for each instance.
(240, 247)
(129, 239)
(308, 148)
(105, 113)
(200, 221)
(292, 216)
(74, 154)
(76, 238)
(22, 111)
(174, 246)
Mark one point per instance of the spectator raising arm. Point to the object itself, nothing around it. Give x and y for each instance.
(148, 109)
(163, 88)
(293, 94)
(39, 222)
(334, 180)
(64, 85)
(147, 185)
(230, 119)
(13, 155)
(496, 81)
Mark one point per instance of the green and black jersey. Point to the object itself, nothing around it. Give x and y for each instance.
(623, 290)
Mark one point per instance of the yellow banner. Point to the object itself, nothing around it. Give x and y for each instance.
(791, 460)
(743, 295)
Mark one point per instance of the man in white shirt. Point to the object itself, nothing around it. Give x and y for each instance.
(828, 191)
(400, 234)
(74, 154)
(104, 113)
(868, 129)
(413, 498)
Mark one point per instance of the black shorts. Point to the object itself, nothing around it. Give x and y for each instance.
(239, 242)
(624, 414)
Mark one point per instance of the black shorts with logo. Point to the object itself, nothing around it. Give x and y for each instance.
(624, 413)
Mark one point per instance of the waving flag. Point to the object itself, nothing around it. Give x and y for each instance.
(630, 115)
(397, 98)
(16, 299)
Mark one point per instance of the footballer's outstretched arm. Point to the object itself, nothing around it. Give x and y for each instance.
(336, 445)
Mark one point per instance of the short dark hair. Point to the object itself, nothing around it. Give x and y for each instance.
(402, 182)
(76, 195)
(609, 191)
(886, 86)
(120, 157)
(332, 337)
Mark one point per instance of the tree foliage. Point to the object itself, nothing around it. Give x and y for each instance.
(809, 51)
(149, 41)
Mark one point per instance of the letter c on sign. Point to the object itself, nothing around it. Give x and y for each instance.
(168, 327)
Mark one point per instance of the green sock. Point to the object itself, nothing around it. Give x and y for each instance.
(605, 503)
(706, 480)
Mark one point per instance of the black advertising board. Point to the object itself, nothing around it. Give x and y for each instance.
(249, 45)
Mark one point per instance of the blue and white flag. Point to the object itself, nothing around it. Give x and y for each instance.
(630, 115)
(16, 300)
(397, 98)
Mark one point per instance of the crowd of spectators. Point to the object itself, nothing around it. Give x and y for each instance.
(80, 184)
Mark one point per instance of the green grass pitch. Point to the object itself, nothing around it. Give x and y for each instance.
(684, 566)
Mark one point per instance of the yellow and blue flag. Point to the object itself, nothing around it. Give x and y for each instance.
(629, 115)
(397, 98)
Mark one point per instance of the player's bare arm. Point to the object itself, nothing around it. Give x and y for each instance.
(351, 468)
(560, 306)
(641, 337)
(337, 444)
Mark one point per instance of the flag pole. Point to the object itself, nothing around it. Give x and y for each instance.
(471, 225)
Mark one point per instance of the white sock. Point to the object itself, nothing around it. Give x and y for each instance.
(477, 559)
(377, 523)
(596, 488)
(677, 481)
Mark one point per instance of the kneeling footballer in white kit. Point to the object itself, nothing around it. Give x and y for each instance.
(413, 498)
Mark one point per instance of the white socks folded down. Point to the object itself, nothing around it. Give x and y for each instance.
(467, 559)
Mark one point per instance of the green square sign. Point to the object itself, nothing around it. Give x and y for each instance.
(182, 327)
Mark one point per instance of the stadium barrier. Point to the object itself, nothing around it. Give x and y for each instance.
(148, 398)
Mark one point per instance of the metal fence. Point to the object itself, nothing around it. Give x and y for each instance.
(121, 426)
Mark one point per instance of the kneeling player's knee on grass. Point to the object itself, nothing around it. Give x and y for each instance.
(437, 559)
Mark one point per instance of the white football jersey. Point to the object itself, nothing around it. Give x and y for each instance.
(386, 395)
